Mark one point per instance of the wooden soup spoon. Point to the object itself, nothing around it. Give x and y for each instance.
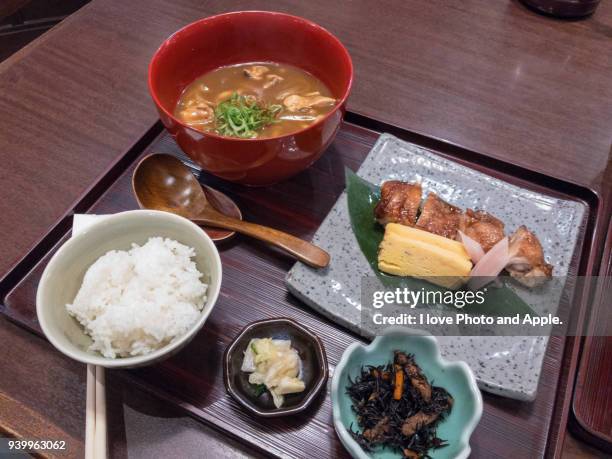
(163, 182)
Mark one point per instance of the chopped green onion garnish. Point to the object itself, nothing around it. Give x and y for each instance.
(242, 116)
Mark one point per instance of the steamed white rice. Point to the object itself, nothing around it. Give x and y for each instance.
(134, 302)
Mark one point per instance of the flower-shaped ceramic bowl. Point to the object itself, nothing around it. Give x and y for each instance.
(455, 377)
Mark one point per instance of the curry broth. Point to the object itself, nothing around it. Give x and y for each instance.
(290, 97)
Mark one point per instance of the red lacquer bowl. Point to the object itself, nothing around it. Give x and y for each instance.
(246, 37)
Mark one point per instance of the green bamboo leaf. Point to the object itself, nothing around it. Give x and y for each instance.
(362, 197)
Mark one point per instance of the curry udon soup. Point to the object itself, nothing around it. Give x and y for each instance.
(254, 100)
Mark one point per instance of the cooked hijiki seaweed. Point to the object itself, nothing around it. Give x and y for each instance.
(397, 407)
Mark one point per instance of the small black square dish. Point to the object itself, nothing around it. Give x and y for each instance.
(311, 353)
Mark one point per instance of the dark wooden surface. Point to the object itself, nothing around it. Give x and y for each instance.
(490, 76)
(21, 21)
(592, 420)
(253, 289)
(9, 7)
(50, 404)
(43, 393)
(575, 448)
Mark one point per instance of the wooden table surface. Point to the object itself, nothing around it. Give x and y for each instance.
(491, 77)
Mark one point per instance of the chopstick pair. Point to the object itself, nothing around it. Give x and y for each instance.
(95, 415)
(95, 418)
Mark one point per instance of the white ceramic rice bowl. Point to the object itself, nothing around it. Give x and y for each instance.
(64, 273)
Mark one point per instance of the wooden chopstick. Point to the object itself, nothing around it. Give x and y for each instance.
(95, 418)
(100, 430)
(95, 406)
(90, 412)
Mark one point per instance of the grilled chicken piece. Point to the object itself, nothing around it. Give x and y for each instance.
(527, 263)
(417, 379)
(296, 103)
(414, 423)
(376, 433)
(408, 453)
(483, 227)
(256, 72)
(399, 203)
(439, 217)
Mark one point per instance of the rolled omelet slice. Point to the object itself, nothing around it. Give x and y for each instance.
(406, 251)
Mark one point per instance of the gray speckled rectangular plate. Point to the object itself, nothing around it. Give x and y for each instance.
(509, 366)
